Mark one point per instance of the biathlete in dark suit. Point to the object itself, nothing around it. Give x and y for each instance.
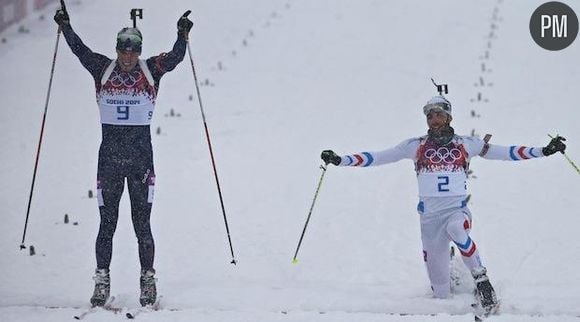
(126, 89)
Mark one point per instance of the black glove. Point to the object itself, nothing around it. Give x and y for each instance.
(555, 145)
(184, 24)
(61, 16)
(328, 156)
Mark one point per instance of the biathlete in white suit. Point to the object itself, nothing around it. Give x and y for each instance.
(441, 163)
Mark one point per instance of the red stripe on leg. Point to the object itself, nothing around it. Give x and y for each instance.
(471, 251)
(466, 224)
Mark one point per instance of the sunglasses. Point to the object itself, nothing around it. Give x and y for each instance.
(135, 39)
(436, 106)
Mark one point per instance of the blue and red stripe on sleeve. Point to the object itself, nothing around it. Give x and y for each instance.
(524, 153)
(363, 159)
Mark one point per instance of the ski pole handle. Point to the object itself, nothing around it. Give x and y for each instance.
(568, 158)
(184, 25)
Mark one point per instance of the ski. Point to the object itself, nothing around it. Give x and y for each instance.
(480, 316)
(480, 313)
(477, 317)
(107, 307)
(287, 312)
(149, 308)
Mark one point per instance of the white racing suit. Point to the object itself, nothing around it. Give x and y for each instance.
(442, 178)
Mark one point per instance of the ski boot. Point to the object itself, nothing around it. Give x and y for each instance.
(484, 292)
(102, 287)
(148, 288)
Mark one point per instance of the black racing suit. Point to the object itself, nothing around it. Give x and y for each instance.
(125, 153)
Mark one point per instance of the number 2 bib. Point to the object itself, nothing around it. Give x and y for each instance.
(441, 170)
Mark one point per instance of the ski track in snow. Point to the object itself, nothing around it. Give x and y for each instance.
(61, 314)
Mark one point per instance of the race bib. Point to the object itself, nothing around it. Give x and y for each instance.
(126, 98)
(442, 184)
(123, 110)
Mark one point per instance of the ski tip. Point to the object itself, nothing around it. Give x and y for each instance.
(129, 316)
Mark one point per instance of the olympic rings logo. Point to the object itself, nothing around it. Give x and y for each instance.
(443, 155)
(129, 80)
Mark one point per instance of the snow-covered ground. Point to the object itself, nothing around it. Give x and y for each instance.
(281, 81)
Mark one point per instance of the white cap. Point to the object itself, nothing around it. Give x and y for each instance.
(439, 103)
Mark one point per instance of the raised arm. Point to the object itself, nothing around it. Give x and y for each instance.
(166, 62)
(95, 63)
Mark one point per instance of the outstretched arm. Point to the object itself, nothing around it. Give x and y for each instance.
(405, 150)
(512, 153)
(517, 153)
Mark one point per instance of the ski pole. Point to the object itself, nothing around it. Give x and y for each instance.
(210, 148)
(22, 246)
(571, 162)
(568, 158)
(323, 167)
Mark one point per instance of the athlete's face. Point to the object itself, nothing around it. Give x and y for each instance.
(127, 59)
(437, 119)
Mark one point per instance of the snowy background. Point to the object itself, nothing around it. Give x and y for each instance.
(282, 80)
